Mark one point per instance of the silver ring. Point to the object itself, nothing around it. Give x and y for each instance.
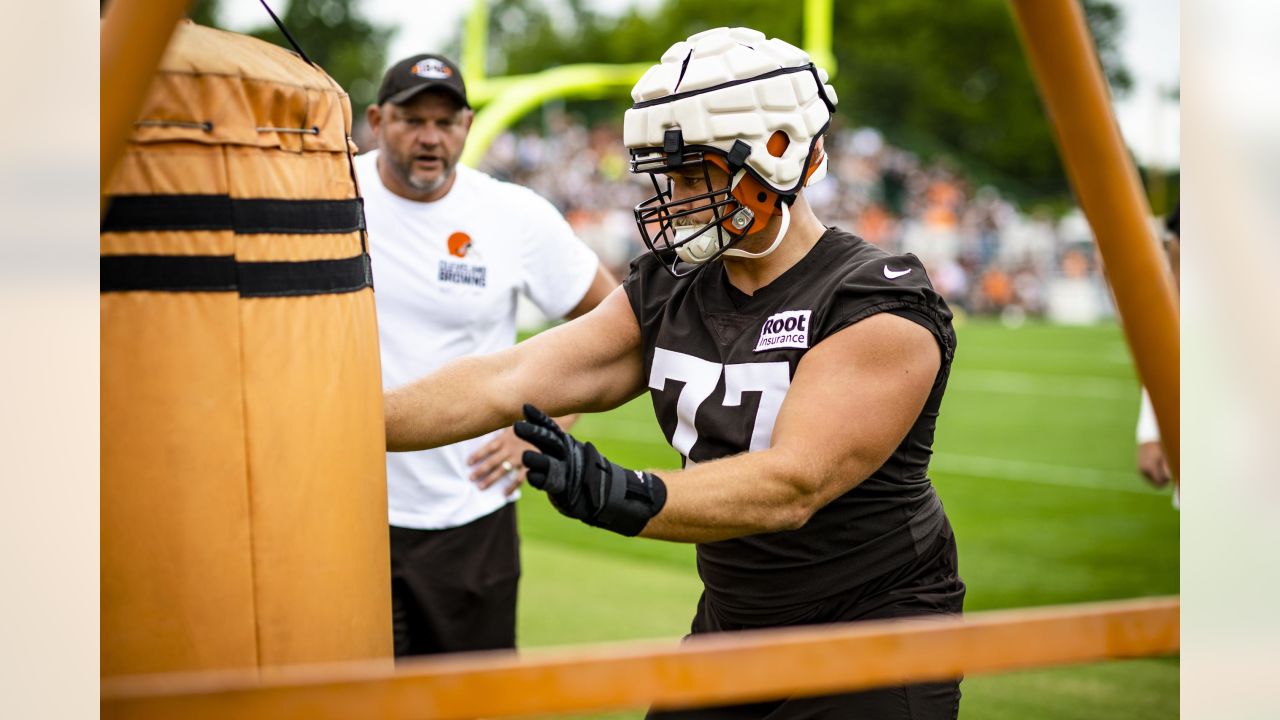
(507, 467)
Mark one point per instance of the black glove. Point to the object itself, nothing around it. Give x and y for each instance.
(582, 484)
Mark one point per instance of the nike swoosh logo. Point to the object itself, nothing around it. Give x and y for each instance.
(894, 274)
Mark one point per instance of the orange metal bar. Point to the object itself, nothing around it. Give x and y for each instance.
(1106, 183)
(715, 669)
(135, 34)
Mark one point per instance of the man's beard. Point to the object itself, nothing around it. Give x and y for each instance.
(403, 167)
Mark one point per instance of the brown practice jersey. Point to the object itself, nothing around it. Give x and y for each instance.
(719, 363)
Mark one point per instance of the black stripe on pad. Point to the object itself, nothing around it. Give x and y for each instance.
(221, 273)
(244, 216)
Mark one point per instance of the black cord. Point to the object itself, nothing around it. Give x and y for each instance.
(285, 30)
(364, 246)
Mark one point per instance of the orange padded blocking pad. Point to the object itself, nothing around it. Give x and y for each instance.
(316, 449)
(243, 478)
(177, 562)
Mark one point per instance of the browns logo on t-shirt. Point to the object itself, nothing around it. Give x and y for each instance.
(459, 244)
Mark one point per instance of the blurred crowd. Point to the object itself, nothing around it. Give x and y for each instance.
(984, 254)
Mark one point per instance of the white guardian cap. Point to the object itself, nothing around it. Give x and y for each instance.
(753, 106)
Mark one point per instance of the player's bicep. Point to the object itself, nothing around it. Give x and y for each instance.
(853, 399)
(591, 363)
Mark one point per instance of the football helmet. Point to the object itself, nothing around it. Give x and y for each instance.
(730, 97)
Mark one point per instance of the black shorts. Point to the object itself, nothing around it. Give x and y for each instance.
(455, 589)
(930, 585)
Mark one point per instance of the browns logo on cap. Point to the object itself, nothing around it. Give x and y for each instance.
(413, 75)
(432, 69)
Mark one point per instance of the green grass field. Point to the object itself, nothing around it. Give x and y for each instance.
(1034, 462)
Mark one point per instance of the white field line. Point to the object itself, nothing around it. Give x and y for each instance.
(1110, 355)
(1016, 383)
(1041, 473)
(947, 463)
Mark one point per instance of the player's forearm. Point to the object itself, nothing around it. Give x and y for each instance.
(461, 400)
(768, 491)
(745, 494)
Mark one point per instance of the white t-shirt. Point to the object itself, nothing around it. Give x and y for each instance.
(446, 275)
(1148, 430)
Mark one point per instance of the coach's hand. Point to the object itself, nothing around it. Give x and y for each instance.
(583, 484)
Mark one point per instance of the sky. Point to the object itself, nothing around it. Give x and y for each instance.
(1149, 119)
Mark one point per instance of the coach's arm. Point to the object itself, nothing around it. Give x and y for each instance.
(602, 285)
(590, 364)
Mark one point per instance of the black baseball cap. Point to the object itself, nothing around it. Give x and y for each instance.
(413, 75)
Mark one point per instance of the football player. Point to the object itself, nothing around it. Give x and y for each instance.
(797, 369)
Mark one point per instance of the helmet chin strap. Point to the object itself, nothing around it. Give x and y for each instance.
(777, 240)
(701, 248)
(705, 246)
(819, 173)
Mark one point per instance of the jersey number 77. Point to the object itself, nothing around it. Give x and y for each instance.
(700, 377)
